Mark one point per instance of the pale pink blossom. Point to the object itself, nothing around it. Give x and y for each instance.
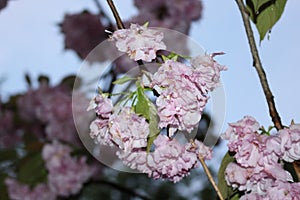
(236, 131)
(200, 149)
(237, 176)
(136, 159)
(139, 42)
(128, 130)
(283, 190)
(207, 72)
(102, 105)
(170, 160)
(181, 103)
(290, 143)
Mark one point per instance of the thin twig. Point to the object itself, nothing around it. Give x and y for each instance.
(122, 189)
(259, 68)
(120, 24)
(210, 177)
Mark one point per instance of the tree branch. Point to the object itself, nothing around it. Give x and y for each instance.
(122, 189)
(210, 177)
(259, 68)
(120, 24)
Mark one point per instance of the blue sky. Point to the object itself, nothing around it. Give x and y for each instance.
(30, 42)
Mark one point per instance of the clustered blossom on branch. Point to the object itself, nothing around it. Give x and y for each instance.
(139, 42)
(182, 91)
(258, 169)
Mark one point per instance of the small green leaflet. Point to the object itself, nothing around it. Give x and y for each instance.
(226, 191)
(32, 170)
(122, 80)
(265, 14)
(148, 110)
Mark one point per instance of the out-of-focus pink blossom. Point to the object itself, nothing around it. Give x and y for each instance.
(51, 107)
(139, 42)
(171, 14)
(10, 135)
(128, 130)
(18, 191)
(290, 143)
(83, 32)
(66, 174)
(170, 160)
(3, 4)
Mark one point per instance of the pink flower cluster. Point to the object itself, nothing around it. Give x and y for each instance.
(183, 91)
(139, 42)
(66, 174)
(125, 129)
(129, 132)
(258, 168)
(170, 159)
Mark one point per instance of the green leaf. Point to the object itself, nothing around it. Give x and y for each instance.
(124, 79)
(148, 110)
(226, 191)
(265, 14)
(258, 3)
(3, 189)
(32, 169)
(8, 155)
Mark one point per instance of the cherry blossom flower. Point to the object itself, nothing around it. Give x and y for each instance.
(258, 167)
(128, 130)
(18, 191)
(180, 103)
(99, 127)
(290, 143)
(139, 42)
(200, 149)
(170, 160)
(207, 72)
(66, 174)
(136, 159)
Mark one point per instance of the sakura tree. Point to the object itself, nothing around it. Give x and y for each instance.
(141, 115)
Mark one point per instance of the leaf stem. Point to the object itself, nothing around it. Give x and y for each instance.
(259, 68)
(210, 177)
